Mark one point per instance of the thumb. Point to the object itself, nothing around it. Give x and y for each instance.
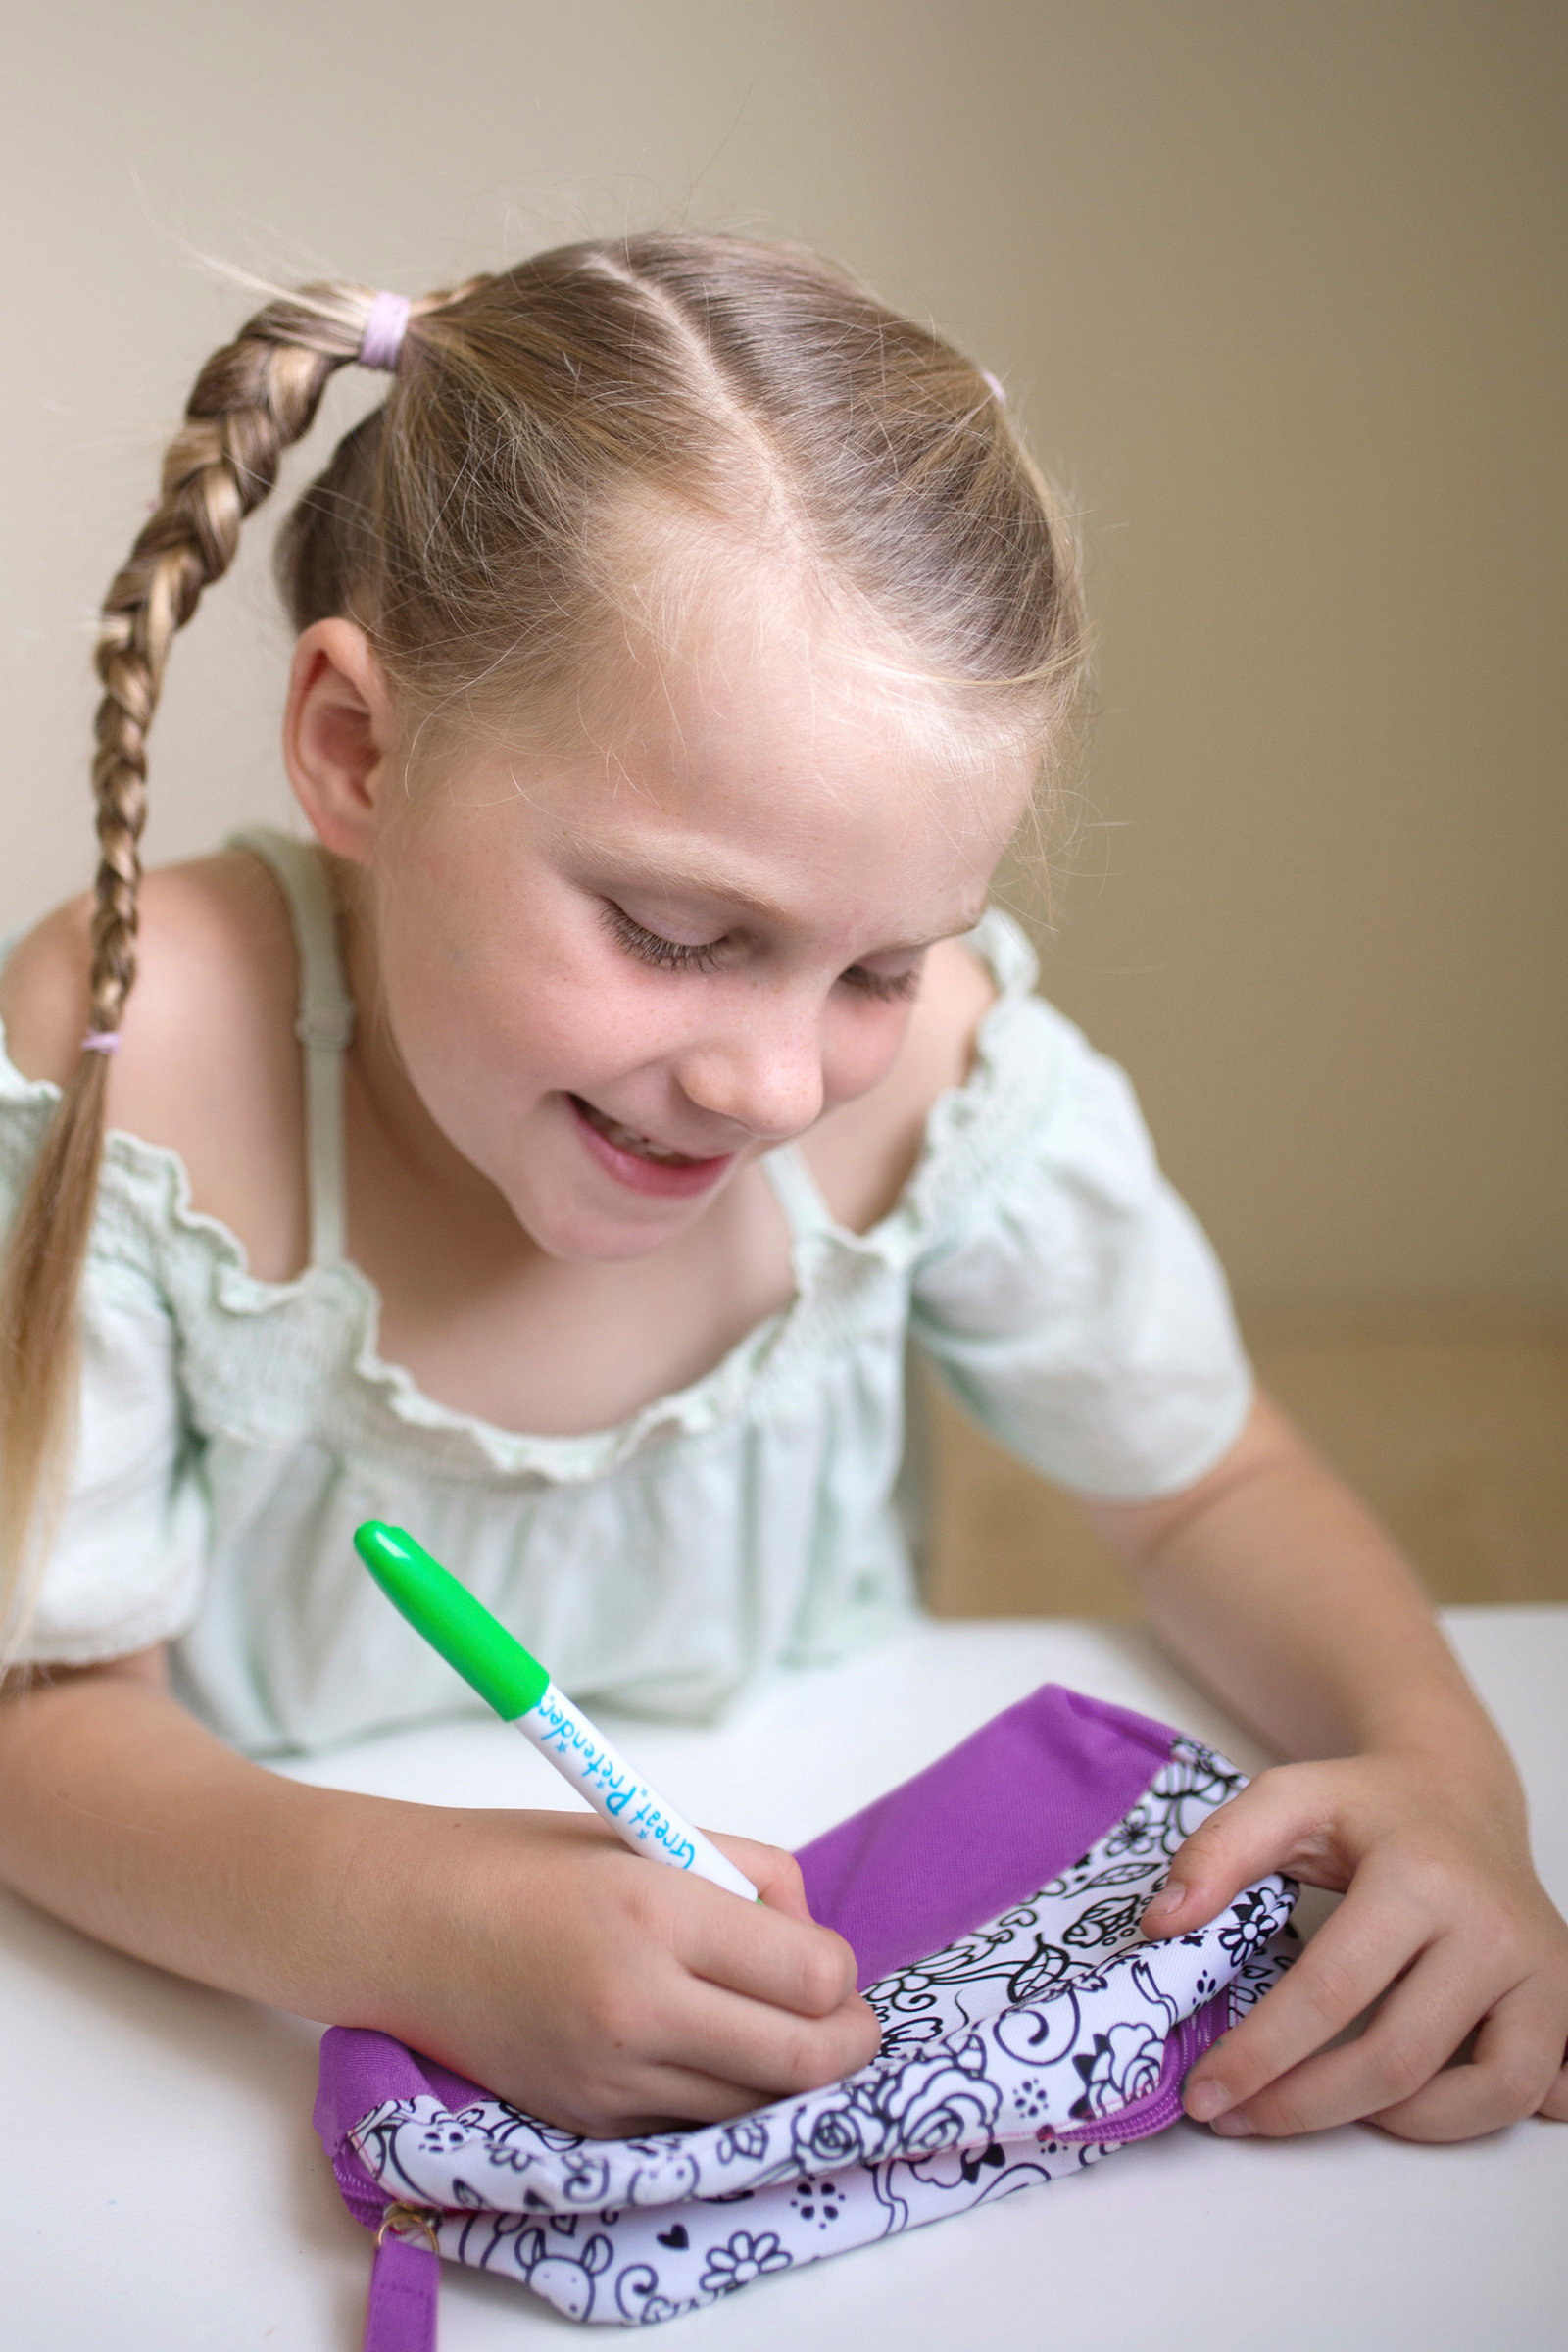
(1251, 1835)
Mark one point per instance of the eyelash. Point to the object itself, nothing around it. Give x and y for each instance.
(889, 988)
(650, 948)
(675, 955)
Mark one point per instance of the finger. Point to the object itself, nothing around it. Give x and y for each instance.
(1516, 2068)
(661, 2099)
(775, 1874)
(1243, 1840)
(707, 2029)
(772, 1956)
(1419, 2024)
(1352, 1958)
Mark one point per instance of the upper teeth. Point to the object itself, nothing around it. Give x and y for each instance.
(629, 1141)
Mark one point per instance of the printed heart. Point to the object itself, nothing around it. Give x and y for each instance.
(675, 2237)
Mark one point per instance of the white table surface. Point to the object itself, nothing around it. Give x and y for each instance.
(161, 2186)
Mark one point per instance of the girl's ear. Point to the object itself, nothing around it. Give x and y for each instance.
(338, 736)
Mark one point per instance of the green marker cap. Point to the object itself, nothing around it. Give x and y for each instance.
(505, 1675)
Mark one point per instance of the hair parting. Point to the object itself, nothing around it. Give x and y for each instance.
(726, 400)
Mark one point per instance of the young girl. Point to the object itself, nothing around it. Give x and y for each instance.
(557, 1155)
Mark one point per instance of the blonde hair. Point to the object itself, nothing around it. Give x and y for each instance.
(472, 524)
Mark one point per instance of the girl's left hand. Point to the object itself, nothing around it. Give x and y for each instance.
(1443, 1918)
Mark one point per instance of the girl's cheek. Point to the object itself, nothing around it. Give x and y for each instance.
(859, 1047)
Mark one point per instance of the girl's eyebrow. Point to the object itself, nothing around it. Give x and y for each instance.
(689, 868)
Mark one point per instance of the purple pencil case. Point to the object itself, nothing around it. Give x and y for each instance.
(991, 1903)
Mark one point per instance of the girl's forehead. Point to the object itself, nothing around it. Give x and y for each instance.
(734, 824)
(768, 744)
(779, 707)
(811, 810)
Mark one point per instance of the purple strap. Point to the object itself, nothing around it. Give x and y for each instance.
(400, 2309)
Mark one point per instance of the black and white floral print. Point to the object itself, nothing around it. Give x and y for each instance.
(1021, 2052)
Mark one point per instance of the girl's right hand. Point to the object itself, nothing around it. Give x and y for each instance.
(536, 1955)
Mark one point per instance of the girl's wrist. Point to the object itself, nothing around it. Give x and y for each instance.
(357, 1906)
(1456, 1763)
(1448, 1732)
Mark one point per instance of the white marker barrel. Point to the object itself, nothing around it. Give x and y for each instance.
(620, 1794)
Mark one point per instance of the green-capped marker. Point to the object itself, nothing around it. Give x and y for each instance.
(513, 1682)
(505, 1675)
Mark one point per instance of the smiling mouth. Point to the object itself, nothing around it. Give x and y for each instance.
(627, 1139)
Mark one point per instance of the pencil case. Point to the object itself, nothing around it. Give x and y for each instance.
(991, 1903)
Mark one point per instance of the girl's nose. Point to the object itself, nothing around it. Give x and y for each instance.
(764, 1071)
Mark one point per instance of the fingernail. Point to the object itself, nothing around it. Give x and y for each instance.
(1232, 2126)
(1165, 1904)
(1204, 2101)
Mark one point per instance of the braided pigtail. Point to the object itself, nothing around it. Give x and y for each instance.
(252, 400)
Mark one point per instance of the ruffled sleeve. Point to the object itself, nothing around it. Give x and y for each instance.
(128, 1558)
(1069, 1298)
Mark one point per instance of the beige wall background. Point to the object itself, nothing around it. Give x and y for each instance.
(1277, 288)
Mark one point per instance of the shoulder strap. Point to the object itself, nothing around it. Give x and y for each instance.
(324, 1026)
(796, 1190)
(400, 2311)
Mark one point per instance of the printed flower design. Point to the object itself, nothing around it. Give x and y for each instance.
(1190, 1787)
(1122, 2066)
(1256, 1914)
(833, 2136)
(938, 2102)
(743, 2143)
(817, 2201)
(1132, 1836)
(743, 2258)
(946, 2106)
(1110, 1921)
(1031, 2097)
(945, 2170)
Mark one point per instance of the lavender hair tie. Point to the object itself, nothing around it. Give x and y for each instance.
(101, 1041)
(384, 330)
(997, 393)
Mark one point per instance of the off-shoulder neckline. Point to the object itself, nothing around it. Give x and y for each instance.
(998, 943)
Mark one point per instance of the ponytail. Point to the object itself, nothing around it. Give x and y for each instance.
(251, 402)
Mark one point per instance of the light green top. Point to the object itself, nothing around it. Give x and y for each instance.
(234, 1432)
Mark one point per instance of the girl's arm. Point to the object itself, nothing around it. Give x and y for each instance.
(1281, 1593)
(530, 1952)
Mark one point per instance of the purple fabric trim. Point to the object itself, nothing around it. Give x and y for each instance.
(400, 2307)
(982, 1828)
(360, 2071)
